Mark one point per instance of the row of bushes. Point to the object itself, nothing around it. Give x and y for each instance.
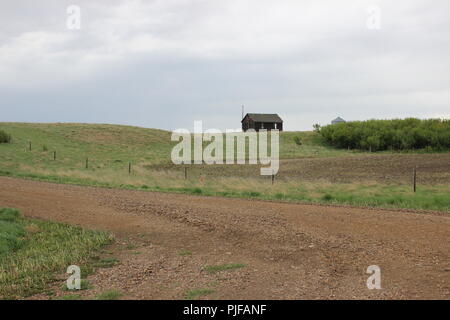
(4, 137)
(398, 134)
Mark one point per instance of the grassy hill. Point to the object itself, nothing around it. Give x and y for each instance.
(310, 172)
(104, 143)
(113, 147)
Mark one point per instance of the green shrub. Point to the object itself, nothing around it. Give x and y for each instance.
(297, 140)
(197, 191)
(4, 137)
(398, 134)
(327, 197)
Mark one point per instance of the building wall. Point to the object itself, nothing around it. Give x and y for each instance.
(247, 124)
(250, 124)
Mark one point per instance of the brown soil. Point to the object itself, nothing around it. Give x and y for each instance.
(432, 169)
(290, 251)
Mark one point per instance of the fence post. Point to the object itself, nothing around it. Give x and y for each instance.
(87, 163)
(273, 177)
(30, 145)
(54, 155)
(129, 167)
(414, 178)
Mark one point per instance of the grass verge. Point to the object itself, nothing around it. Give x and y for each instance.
(34, 251)
(365, 194)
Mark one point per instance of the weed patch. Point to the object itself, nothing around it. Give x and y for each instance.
(224, 267)
(193, 294)
(109, 295)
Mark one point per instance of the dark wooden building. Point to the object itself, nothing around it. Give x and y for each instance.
(259, 121)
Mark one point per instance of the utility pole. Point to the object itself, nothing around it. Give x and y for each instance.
(242, 112)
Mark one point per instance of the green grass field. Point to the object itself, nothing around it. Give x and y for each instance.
(32, 252)
(110, 149)
(113, 146)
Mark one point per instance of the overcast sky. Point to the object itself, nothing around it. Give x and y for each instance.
(165, 63)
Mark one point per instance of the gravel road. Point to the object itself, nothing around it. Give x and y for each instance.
(288, 251)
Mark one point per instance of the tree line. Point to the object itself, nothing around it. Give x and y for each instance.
(397, 134)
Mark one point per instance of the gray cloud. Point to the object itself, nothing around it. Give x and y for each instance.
(167, 63)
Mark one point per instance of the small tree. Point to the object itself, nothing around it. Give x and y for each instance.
(316, 127)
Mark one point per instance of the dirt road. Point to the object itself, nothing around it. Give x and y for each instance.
(289, 251)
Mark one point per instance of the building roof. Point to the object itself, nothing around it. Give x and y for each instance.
(264, 117)
(338, 119)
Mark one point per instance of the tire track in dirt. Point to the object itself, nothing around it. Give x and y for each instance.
(290, 251)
